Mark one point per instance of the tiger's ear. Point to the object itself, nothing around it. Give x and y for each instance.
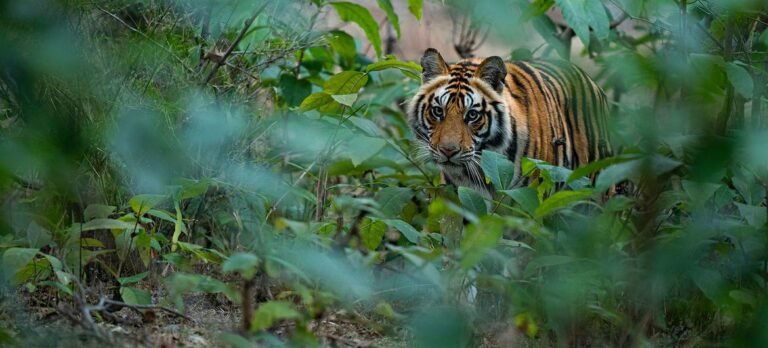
(493, 71)
(432, 65)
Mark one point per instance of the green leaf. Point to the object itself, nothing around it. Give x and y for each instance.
(345, 99)
(244, 263)
(140, 204)
(547, 261)
(560, 200)
(498, 168)
(526, 197)
(360, 148)
(37, 236)
(740, 79)
(132, 279)
(193, 188)
(479, 238)
(415, 6)
(98, 211)
(754, 215)
(598, 165)
(349, 12)
(413, 68)
(371, 232)
(710, 282)
(386, 5)
(583, 14)
(107, 224)
(14, 261)
(656, 165)
(294, 91)
(134, 296)
(343, 44)
(392, 200)
(315, 100)
(538, 8)
(345, 82)
(410, 233)
(271, 312)
(472, 201)
(178, 226)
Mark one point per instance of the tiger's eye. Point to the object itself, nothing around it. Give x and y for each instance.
(437, 111)
(473, 115)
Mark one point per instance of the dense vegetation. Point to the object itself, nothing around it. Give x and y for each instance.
(155, 155)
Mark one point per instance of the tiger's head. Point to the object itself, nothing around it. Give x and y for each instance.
(459, 111)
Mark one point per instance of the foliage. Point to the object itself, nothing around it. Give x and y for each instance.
(242, 150)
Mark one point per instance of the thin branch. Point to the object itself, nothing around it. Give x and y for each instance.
(136, 307)
(234, 44)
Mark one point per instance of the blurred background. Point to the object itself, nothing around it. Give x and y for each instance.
(241, 172)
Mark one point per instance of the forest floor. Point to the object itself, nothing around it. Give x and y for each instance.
(212, 321)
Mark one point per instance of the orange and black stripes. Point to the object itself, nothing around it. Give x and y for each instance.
(545, 110)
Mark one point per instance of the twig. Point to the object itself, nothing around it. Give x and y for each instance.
(138, 307)
(234, 44)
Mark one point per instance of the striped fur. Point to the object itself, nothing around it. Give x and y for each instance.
(545, 110)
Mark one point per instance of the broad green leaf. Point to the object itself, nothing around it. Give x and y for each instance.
(140, 204)
(134, 296)
(107, 224)
(360, 148)
(538, 8)
(710, 282)
(244, 263)
(560, 200)
(98, 211)
(315, 100)
(14, 261)
(349, 12)
(37, 236)
(498, 168)
(598, 165)
(91, 243)
(386, 5)
(755, 216)
(270, 312)
(294, 91)
(371, 232)
(656, 165)
(526, 197)
(345, 99)
(472, 201)
(410, 233)
(547, 261)
(392, 200)
(740, 79)
(343, 44)
(161, 214)
(582, 15)
(345, 82)
(411, 67)
(479, 238)
(367, 126)
(193, 188)
(132, 279)
(415, 6)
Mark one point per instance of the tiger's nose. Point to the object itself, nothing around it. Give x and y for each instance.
(449, 149)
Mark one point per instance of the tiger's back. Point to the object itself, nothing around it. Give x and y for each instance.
(546, 110)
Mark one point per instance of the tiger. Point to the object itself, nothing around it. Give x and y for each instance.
(546, 110)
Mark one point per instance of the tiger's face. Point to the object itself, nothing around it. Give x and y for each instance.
(459, 111)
